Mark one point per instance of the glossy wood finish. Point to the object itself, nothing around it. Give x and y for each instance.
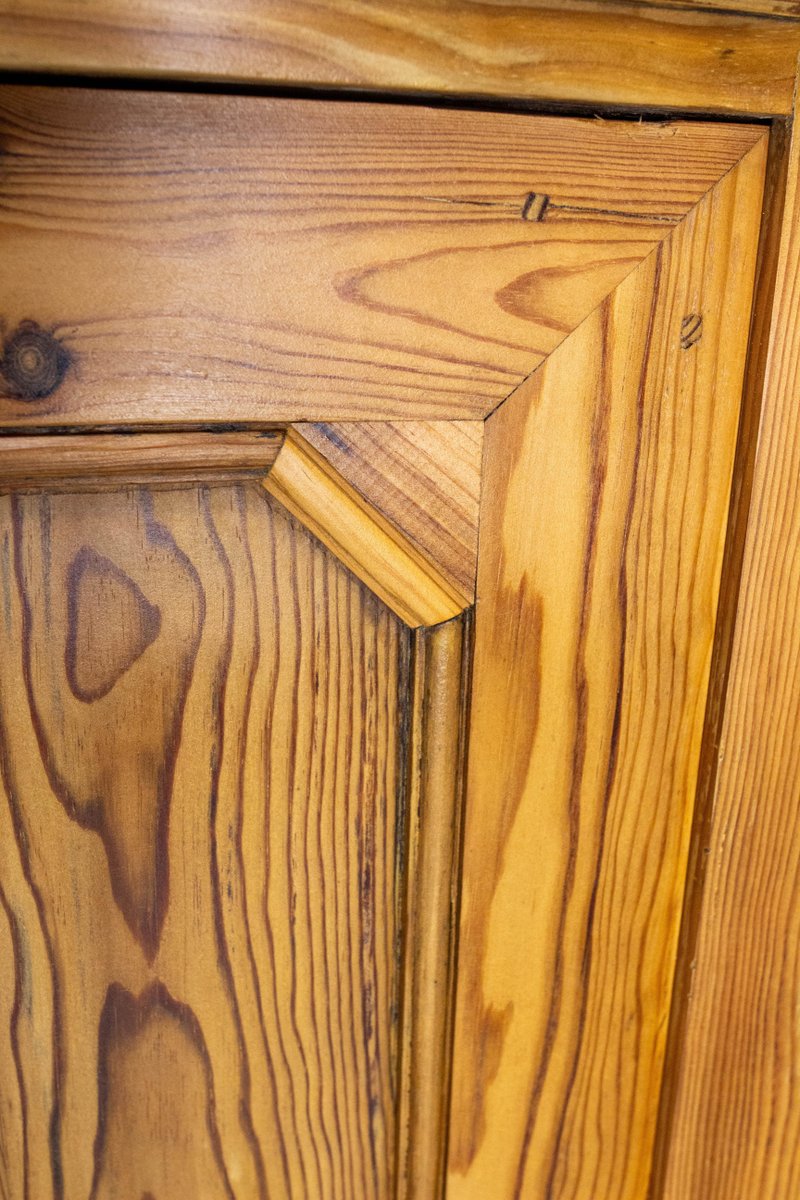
(436, 755)
(304, 261)
(423, 476)
(99, 462)
(737, 1084)
(373, 549)
(592, 51)
(602, 531)
(200, 889)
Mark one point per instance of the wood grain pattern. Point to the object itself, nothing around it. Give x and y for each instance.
(423, 476)
(100, 461)
(573, 50)
(369, 545)
(737, 1083)
(787, 9)
(302, 261)
(201, 757)
(602, 532)
(436, 743)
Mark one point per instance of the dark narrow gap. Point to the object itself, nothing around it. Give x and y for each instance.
(464, 101)
(738, 514)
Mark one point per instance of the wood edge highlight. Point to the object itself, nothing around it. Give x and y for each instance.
(306, 484)
(437, 743)
(99, 461)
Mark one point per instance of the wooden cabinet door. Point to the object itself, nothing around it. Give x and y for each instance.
(365, 474)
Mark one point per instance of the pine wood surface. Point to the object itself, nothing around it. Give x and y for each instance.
(436, 741)
(101, 461)
(370, 546)
(200, 900)
(602, 531)
(305, 261)
(423, 476)
(566, 50)
(737, 1086)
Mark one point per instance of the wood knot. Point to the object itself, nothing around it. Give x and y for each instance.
(34, 361)
(691, 330)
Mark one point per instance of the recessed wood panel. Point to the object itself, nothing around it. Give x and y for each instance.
(172, 258)
(200, 852)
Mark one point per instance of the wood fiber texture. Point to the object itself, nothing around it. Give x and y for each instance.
(602, 532)
(189, 258)
(593, 51)
(200, 907)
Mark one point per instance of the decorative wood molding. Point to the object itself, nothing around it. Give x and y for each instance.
(71, 462)
(423, 476)
(436, 761)
(272, 274)
(360, 536)
(562, 50)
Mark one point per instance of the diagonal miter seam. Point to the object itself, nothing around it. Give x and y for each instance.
(655, 250)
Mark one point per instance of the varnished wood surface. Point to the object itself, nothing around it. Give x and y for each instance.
(424, 476)
(737, 1083)
(370, 546)
(189, 258)
(101, 461)
(201, 754)
(436, 745)
(568, 50)
(602, 531)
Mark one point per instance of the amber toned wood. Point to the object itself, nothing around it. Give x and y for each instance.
(602, 532)
(788, 9)
(100, 461)
(424, 476)
(180, 258)
(736, 1082)
(741, 493)
(200, 902)
(567, 50)
(374, 550)
(441, 670)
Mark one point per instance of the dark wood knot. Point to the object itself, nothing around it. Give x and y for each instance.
(34, 362)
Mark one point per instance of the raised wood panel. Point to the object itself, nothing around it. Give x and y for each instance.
(573, 50)
(202, 754)
(305, 261)
(602, 530)
(423, 476)
(736, 1080)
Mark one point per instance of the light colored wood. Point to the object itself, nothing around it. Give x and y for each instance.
(200, 900)
(602, 531)
(737, 1086)
(741, 492)
(373, 549)
(189, 258)
(424, 476)
(434, 837)
(100, 461)
(571, 50)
